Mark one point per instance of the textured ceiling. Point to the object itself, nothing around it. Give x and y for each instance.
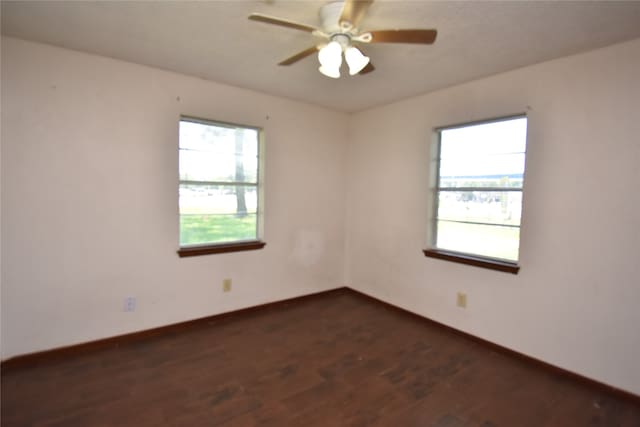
(215, 40)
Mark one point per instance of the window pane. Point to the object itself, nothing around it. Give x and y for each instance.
(501, 137)
(484, 240)
(216, 228)
(221, 139)
(214, 166)
(218, 199)
(494, 207)
(504, 170)
(217, 213)
(224, 153)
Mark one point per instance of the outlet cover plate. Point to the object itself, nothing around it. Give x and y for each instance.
(461, 300)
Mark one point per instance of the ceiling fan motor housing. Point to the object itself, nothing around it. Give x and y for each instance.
(330, 17)
(343, 39)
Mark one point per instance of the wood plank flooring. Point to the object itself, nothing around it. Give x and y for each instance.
(336, 359)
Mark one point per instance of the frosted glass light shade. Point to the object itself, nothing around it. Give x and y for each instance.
(355, 59)
(334, 73)
(330, 58)
(331, 55)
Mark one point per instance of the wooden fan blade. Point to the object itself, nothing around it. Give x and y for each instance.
(367, 69)
(298, 56)
(354, 10)
(403, 36)
(281, 22)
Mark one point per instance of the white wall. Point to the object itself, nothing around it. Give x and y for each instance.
(575, 302)
(89, 199)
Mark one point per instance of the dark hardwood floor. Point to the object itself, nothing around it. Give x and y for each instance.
(330, 360)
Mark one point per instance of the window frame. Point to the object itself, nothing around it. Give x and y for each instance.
(234, 245)
(456, 256)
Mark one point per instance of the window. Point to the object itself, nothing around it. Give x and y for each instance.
(219, 195)
(478, 193)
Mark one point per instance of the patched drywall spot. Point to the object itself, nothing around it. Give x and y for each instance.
(308, 247)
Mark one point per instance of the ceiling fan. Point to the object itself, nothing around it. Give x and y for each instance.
(340, 31)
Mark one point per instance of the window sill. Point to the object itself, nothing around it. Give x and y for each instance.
(220, 248)
(492, 264)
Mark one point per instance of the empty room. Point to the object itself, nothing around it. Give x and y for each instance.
(316, 213)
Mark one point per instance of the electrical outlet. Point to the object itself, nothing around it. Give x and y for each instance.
(461, 300)
(130, 304)
(226, 285)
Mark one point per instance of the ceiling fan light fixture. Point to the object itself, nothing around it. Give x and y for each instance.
(355, 59)
(330, 57)
(341, 21)
(334, 73)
